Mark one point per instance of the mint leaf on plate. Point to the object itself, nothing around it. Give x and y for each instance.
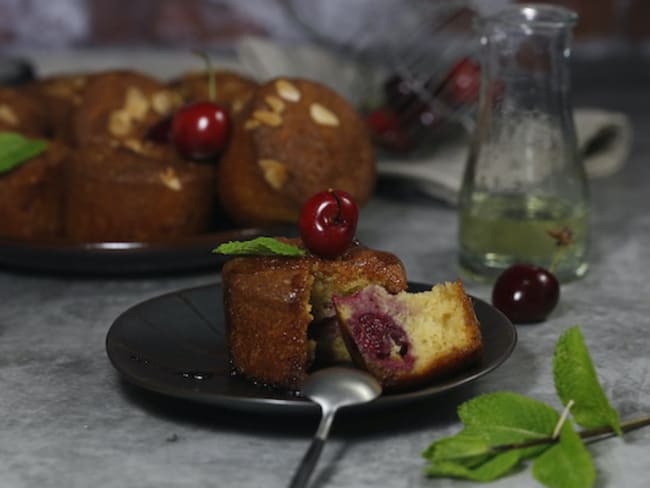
(15, 149)
(568, 464)
(576, 379)
(260, 246)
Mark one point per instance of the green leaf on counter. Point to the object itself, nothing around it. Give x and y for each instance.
(503, 429)
(15, 149)
(508, 418)
(490, 470)
(576, 379)
(463, 448)
(567, 464)
(260, 246)
(490, 420)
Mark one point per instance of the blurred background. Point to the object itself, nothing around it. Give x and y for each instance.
(606, 26)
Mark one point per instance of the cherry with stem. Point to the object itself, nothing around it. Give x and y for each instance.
(200, 130)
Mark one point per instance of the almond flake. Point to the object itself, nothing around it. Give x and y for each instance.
(162, 102)
(268, 118)
(275, 173)
(119, 123)
(134, 145)
(170, 179)
(251, 124)
(276, 104)
(323, 116)
(136, 104)
(287, 91)
(7, 115)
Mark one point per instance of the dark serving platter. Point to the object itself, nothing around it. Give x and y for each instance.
(178, 254)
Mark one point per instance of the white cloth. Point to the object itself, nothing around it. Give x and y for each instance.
(440, 174)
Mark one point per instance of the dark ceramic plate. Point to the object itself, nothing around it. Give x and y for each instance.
(180, 254)
(175, 344)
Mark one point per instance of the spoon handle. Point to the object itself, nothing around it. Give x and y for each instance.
(308, 463)
(309, 460)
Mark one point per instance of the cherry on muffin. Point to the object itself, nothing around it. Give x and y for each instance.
(328, 222)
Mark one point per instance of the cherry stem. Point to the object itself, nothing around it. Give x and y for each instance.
(339, 206)
(212, 83)
(590, 434)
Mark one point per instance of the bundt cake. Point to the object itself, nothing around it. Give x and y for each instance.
(293, 139)
(276, 306)
(32, 195)
(406, 339)
(20, 113)
(136, 192)
(121, 105)
(59, 96)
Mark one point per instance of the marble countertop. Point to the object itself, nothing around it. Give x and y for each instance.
(68, 420)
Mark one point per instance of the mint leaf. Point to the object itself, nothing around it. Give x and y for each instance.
(260, 246)
(494, 468)
(465, 448)
(576, 379)
(568, 464)
(494, 419)
(16, 149)
(509, 418)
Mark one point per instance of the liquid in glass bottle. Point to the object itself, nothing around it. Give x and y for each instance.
(524, 197)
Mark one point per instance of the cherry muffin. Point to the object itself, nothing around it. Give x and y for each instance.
(279, 312)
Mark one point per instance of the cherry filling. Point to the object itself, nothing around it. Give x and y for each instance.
(379, 336)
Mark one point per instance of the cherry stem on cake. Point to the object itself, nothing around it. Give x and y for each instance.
(338, 218)
(209, 69)
(598, 433)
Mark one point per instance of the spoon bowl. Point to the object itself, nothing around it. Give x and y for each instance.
(332, 388)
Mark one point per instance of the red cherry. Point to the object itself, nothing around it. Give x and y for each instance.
(526, 293)
(328, 221)
(200, 130)
(388, 131)
(464, 81)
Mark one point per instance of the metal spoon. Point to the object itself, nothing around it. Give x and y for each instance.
(332, 388)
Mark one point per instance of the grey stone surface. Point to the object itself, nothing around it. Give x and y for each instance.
(68, 420)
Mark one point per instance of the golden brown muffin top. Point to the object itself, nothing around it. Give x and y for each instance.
(121, 105)
(307, 138)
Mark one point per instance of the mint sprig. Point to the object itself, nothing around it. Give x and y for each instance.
(575, 379)
(260, 246)
(503, 429)
(15, 149)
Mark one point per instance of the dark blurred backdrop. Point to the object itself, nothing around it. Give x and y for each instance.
(605, 25)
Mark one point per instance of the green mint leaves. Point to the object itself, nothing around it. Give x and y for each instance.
(260, 246)
(575, 378)
(15, 149)
(503, 429)
(567, 464)
(491, 420)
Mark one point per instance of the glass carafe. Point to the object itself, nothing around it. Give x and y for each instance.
(524, 197)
